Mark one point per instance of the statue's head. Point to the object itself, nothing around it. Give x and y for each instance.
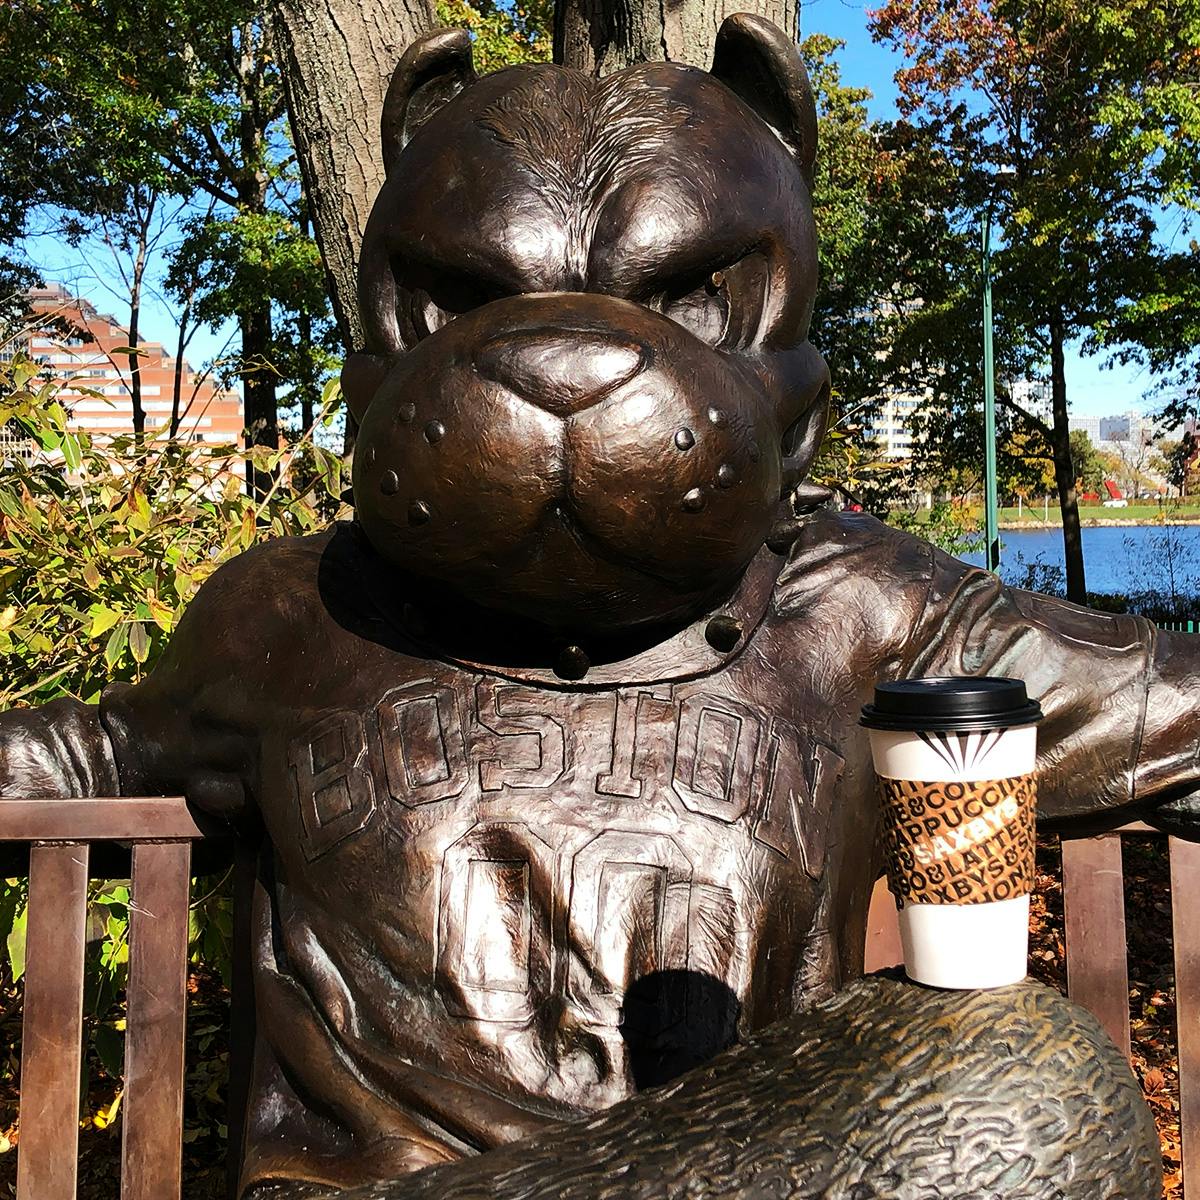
(587, 391)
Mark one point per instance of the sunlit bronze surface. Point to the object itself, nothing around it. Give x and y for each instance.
(863, 1096)
(555, 749)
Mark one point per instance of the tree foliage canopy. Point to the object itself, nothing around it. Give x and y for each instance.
(1076, 128)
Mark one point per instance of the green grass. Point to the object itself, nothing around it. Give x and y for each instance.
(1142, 513)
(1145, 513)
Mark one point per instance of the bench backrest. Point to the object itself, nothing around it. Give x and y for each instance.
(60, 834)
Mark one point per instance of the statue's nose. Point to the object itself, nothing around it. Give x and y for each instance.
(560, 370)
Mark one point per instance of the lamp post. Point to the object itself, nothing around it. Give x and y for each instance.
(991, 514)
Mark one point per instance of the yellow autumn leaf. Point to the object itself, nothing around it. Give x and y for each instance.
(107, 1115)
(103, 619)
(163, 616)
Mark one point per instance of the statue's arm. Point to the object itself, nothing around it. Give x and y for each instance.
(193, 726)
(1121, 698)
(140, 740)
(61, 749)
(190, 727)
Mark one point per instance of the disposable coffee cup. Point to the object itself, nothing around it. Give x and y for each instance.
(955, 759)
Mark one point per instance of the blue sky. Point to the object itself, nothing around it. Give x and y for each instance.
(1091, 389)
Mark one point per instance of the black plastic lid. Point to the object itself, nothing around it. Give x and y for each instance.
(951, 704)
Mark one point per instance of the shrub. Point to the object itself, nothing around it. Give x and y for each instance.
(102, 545)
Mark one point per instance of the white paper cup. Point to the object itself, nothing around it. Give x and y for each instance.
(958, 798)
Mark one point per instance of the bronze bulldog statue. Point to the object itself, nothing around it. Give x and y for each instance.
(555, 749)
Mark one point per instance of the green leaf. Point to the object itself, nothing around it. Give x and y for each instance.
(70, 450)
(248, 530)
(163, 616)
(116, 893)
(16, 944)
(103, 618)
(139, 642)
(115, 647)
(110, 1049)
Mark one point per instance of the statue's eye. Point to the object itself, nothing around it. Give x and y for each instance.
(703, 310)
(429, 316)
(725, 307)
(428, 299)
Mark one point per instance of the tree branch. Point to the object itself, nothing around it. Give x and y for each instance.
(1028, 417)
(224, 161)
(203, 183)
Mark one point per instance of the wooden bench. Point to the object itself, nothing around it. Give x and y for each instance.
(61, 835)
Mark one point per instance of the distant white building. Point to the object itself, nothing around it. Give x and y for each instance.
(892, 428)
(1115, 430)
(1089, 425)
(1033, 395)
(1131, 426)
(1129, 438)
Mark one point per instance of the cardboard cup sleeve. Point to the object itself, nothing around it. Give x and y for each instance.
(959, 842)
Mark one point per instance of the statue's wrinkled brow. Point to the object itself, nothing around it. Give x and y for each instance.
(688, 246)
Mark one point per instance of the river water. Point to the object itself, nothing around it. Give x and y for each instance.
(1116, 558)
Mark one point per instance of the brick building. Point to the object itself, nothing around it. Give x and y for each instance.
(78, 345)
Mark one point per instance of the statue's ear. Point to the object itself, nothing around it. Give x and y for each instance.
(759, 63)
(434, 69)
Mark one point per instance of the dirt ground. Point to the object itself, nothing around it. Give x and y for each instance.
(1152, 1002)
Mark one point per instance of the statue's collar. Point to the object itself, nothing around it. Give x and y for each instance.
(708, 644)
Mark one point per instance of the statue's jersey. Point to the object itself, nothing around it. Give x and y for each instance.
(491, 900)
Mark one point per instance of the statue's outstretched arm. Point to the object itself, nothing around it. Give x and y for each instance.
(1121, 698)
(188, 728)
(61, 749)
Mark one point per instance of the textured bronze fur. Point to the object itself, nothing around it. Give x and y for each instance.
(887, 1091)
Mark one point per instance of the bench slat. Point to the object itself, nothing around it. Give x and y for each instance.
(1185, 921)
(115, 819)
(241, 1008)
(52, 1035)
(152, 1138)
(1094, 919)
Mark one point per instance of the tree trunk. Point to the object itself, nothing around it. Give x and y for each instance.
(336, 57)
(602, 36)
(1064, 470)
(135, 364)
(307, 384)
(185, 319)
(258, 392)
(135, 313)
